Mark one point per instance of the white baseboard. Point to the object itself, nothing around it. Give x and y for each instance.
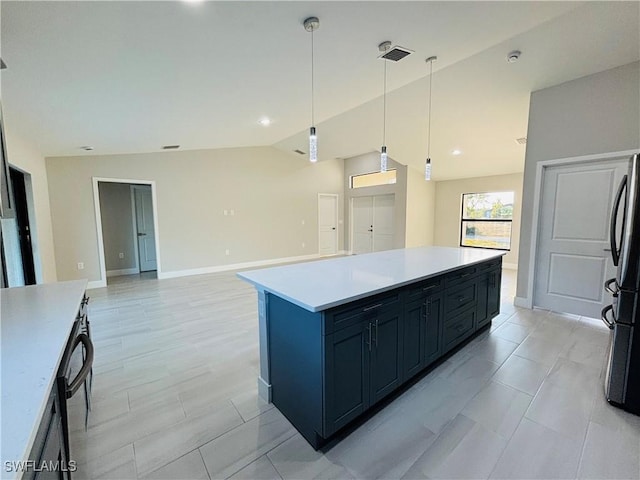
(510, 266)
(235, 266)
(124, 271)
(522, 302)
(96, 284)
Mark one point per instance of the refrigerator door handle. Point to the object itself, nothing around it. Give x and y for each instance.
(604, 317)
(607, 287)
(615, 252)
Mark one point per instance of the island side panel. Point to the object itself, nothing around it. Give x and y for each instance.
(264, 380)
(296, 365)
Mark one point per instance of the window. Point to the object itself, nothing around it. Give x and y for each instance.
(486, 220)
(373, 179)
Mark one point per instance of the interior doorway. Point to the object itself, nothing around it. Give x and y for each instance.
(127, 228)
(327, 224)
(372, 220)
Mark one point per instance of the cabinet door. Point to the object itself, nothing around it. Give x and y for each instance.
(413, 358)
(493, 295)
(346, 376)
(482, 314)
(433, 328)
(386, 354)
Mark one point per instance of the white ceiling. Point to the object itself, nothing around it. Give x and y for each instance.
(133, 76)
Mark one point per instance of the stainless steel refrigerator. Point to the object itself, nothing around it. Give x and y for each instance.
(622, 316)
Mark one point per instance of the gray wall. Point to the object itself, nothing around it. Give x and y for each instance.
(598, 113)
(117, 225)
(370, 163)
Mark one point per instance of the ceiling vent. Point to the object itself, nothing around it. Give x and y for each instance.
(394, 53)
(521, 141)
(170, 147)
(299, 152)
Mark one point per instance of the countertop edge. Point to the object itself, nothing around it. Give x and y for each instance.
(353, 298)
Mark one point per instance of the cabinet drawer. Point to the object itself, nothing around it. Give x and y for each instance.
(495, 263)
(427, 287)
(342, 317)
(457, 328)
(460, 276)
(460, 297)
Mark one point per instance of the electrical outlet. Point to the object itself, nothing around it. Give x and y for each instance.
(226, 212)
(80, 266)
(302, 222)
(121, 255)
(226, 252)
(231, 212)
(304, 244)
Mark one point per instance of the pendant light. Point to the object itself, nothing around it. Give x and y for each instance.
(310, 25)
(383, 47)
(427, 165)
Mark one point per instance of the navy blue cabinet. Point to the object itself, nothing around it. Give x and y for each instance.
(327, 368)
(422, 333)
(347, 359)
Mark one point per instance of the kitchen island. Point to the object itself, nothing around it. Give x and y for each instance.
(338, 335)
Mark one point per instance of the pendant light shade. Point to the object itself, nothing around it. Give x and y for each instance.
(310, 25)
(384, 47)
(427, 164)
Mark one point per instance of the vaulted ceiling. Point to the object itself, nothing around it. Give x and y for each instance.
(131, 76)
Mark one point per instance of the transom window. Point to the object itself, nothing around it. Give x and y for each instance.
(373, 179)
(486, 220)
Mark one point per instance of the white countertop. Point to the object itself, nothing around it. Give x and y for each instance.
(35, 323)
(322, 284)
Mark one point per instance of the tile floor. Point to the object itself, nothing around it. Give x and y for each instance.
(174, 396)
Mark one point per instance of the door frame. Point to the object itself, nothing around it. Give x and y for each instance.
(541, 169)
(337, 197)
(102, 282)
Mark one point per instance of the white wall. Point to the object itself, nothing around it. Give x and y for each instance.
(27, 158)
(117, 226)
(421, 203)
(449, 207)
(271, 193)
(598, 113)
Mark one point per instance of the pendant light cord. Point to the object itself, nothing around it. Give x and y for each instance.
(384, 106)
(312, 84)
(429, 115)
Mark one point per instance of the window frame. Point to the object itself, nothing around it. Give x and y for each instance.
(487, 220)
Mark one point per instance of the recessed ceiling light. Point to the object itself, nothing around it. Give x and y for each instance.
(513, 56)
(265, 122)
(88, 148)
(456, 152)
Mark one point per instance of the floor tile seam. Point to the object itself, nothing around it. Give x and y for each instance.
(293, 433)
(266, 455)
(165, 464)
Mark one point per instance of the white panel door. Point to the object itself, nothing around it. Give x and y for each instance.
(362, 220)
(327, 224)
(573, 259)
(383, 222)
(146, 229)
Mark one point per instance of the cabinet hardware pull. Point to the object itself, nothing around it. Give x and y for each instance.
(375, 339)
(465, 275)
(429, 287)
(369, 332)
(461, 299)
(460, 328)
(366, 309)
